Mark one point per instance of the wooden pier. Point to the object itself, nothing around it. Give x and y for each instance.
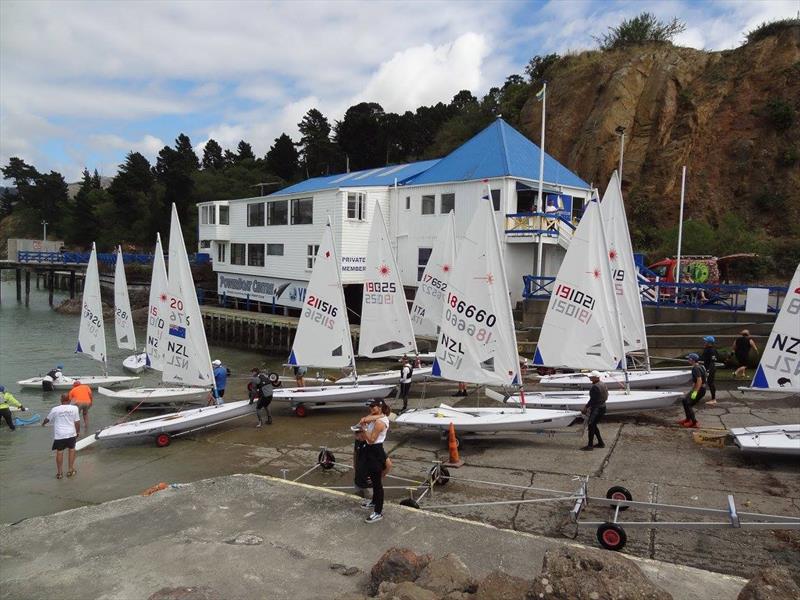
(66, 277)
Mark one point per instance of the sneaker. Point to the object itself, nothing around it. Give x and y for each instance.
(373, 517)
(587, 448)
(712, 401)
(367, 503)
(683, 422)
(689, 424)
(600, 445)
(259, 425)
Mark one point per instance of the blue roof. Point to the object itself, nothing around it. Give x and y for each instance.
(381, 176)
(497, 151)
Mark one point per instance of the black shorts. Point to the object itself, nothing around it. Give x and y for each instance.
(65, 443)
(263, 402)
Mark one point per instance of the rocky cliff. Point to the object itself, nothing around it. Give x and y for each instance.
(731, 117)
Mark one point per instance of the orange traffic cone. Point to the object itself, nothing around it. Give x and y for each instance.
(452, 445)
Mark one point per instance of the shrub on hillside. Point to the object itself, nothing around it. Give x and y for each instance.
(780, 113)
(642, 29)
(767, 29)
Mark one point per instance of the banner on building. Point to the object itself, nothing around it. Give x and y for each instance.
(262, 289)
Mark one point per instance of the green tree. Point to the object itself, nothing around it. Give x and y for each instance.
(244, 152)
(642, 29)
(317, 153)
(40, 197)
(537, 67)
(282, 158)
(212, 155)
(84, 226)
(130, 207)
(361, 135)
(175, 169)
(134, 178)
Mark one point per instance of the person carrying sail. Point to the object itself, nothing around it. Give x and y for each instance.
(7, 400)
(81, 396)
(595, 409)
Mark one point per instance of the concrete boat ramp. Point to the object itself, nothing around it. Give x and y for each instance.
(251, 536)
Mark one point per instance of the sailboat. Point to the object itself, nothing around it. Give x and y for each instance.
(552, 352)
(477, 342)
(582, 326)
(768, 439)
(323, 338)
(91, 336)
(778, 372)
(157, 316)
(386, 328)
(123, 318)
(186, 358)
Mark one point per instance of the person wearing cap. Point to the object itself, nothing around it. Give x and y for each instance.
(81, 396)
(741, 349)
(709, 358)
(697, 392)
(375, 427)
(220, 380)
(595, 409)
(52, 376)
(7, 400)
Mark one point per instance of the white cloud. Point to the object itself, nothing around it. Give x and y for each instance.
(148, 145)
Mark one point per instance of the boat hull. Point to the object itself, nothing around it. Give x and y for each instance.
(388, 377)
(65, 383)
(636, 379)
(781, 440)
(331, 394)
(617, 403)
(486, 420)
(135, 363)
(157, 395)
(765, 393)
(177, 422)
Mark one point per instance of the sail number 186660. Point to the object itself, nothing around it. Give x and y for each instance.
(470, 311)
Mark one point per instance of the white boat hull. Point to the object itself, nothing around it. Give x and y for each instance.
(637, 379)
(766, 393)
(388, 377)
(331, 393)
(135, 363)
(617, 403)
(158, 395)
(485, 420)
(65, 383)
(768, 439)
(177, 422)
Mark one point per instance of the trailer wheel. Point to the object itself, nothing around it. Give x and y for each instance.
(301, 410)
(326, 459)
(410, 502)
(439, 474)
(617, 492)
(611, 536)
(163, 440)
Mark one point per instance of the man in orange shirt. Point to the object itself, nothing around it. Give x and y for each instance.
(81, 396)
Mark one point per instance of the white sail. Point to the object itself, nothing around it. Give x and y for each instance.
(624, 272)
(323, 331)
(780, 363)
(186, 357)
(477, 342)
(123, 319)
(92, 335)
(429, 302)
(385, 323)
(580, 327)
(157, 310)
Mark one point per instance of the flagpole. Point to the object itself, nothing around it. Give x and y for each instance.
(680, 235)
(541, 185)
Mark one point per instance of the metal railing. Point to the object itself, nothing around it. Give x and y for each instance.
(537, 223)
(537, 287)
(63, 258)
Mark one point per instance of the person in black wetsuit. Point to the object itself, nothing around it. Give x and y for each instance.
(693, 396)
(741, 348)
(709, 358)
(595, 409)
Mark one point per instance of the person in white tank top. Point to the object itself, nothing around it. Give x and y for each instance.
(375, 427)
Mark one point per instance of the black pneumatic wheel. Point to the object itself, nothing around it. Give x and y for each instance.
(611, 536)
(410, 502)
(617, 492)
(163, 440)
(326, 459)
(274, 379)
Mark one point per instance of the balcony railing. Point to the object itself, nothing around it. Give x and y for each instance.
(64, 258)
(537, 223)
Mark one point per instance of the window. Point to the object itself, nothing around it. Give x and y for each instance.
(423, 256)
(221, 252)
(408, 202)
(278, 212)
(238, 252)
(496, 199)
(302, 211)
(208, 215)
(578, 204)
(428, 205)
(356, 205)
(255, 255)
(224, 215)
(448, 203)
(205, 244)
(255, 214)
(311, 255)
(274, 249)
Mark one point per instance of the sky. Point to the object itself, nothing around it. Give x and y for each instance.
(82, 84)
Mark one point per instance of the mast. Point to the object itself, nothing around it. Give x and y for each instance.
(618, 320)
(543, 93)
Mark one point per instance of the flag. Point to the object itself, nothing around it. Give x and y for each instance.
(540, 93)
(177, 331)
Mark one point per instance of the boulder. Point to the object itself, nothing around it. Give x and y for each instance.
(396, 565)
(499, 585)
(445, 575)
(587, 574)
(405, 590)
(771, 583)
